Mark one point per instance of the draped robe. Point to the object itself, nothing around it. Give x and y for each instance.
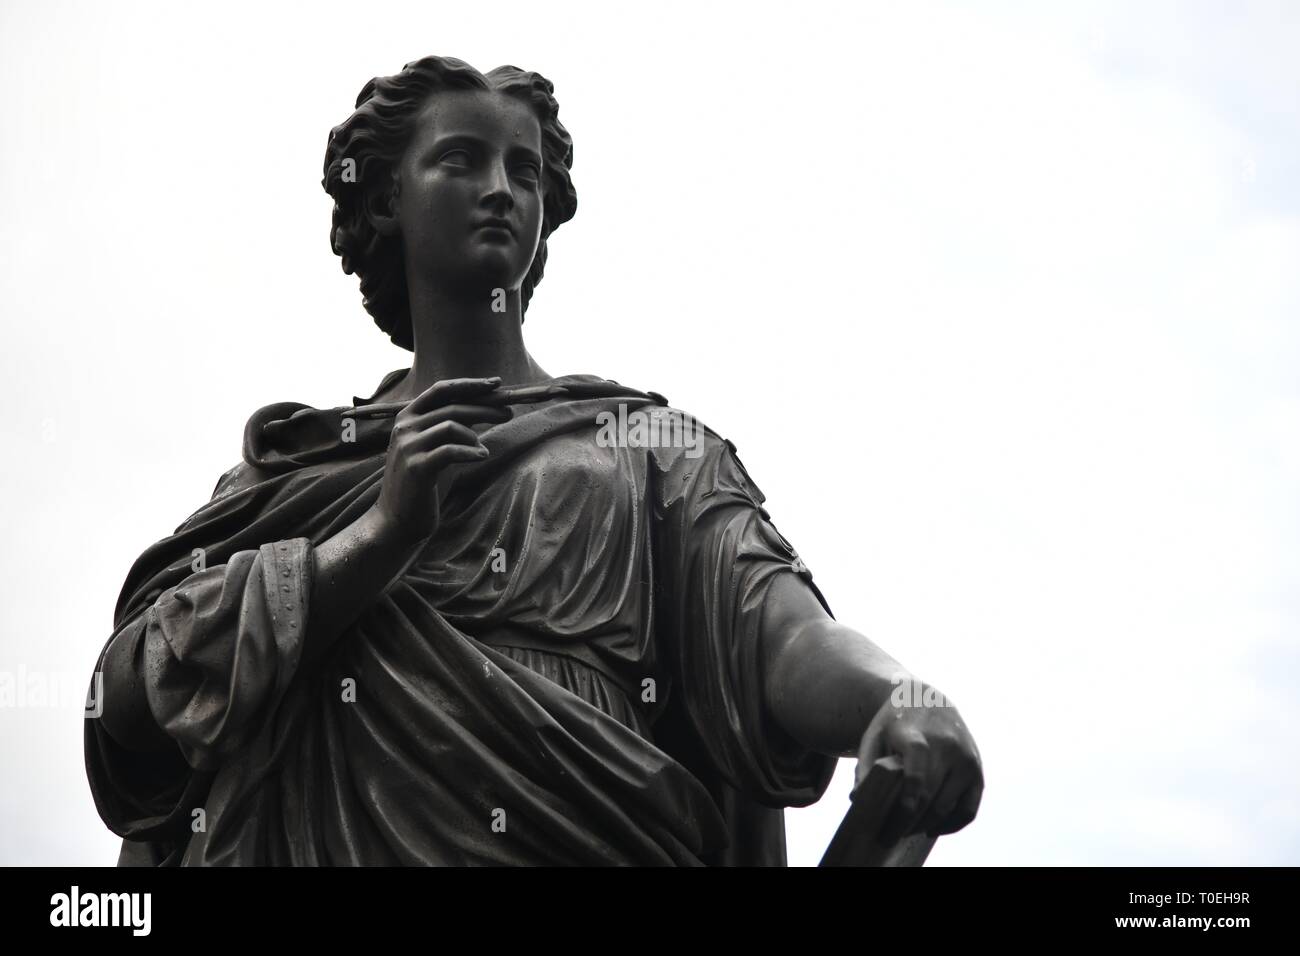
(568, 673)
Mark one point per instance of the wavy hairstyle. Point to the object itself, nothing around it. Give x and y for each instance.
(374, 138)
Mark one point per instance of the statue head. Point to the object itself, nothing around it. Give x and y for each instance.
(401, 175)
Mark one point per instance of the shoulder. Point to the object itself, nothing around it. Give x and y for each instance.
(226, 498)
(669, 434)
(696, 458)
(241, 476)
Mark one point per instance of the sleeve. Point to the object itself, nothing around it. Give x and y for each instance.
(207, 660)
(219, 650)
(717, 553)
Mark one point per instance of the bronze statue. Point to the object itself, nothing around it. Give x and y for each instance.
(486, 615)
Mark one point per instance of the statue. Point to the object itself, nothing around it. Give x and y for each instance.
(487, 615)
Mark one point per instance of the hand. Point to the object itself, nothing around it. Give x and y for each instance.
(943, 776)
(429, 434)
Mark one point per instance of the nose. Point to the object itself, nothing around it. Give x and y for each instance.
(497, 194)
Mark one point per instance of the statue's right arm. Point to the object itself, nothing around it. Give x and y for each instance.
(432, 433)
(359, 563)
(199, 665)
(348, 572)
(352, 569)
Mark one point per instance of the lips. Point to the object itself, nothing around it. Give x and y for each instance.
(501, 224)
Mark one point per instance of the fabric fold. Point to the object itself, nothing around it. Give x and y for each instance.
(224, 645)
(482, 710)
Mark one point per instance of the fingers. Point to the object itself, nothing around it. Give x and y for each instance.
(957, 800)
(443, 433)
(523, 394)
(429, 451)
(874, 744)
(463, 413)
(941, 791)
(450, 390)
(444, 455)
(922, 777)
(943, 782)
(954, 787)
(967, 806)
(483, 391)
(450, 424)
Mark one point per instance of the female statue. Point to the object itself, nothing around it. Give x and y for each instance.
(457, 622)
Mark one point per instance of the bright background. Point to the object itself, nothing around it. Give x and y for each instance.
(998, 303)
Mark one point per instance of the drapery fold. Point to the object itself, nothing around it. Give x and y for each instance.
(224, 645)
(424, 736)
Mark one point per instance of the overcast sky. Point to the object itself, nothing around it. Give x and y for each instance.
(998, 302)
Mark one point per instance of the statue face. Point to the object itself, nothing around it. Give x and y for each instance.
(469, 205)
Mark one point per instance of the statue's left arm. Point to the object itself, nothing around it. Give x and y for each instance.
(773, 687)
(835, 691)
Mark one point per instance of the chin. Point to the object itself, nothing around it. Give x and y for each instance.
(495, 268)
(484, 274)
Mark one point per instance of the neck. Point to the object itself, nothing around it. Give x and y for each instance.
(465, 337)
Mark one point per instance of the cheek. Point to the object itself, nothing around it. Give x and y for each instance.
(437, 201)
(426, 193)
(534, 217)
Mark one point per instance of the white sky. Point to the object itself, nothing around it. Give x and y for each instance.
(998, 303)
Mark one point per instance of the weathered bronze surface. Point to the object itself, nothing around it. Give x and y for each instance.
(488, 615)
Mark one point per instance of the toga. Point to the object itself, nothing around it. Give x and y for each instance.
(568, 673)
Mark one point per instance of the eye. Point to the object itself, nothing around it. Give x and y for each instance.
(528, 171)
(458, 158)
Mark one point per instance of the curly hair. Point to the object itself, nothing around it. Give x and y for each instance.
(374, 138)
